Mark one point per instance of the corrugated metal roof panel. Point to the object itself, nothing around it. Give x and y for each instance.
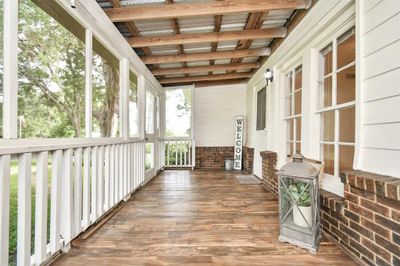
(197, 47)
(171, 65)
(198, 74)
(250, 59)
(199, 63)
(222, 61)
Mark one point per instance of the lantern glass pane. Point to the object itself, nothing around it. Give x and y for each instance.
(296, 204)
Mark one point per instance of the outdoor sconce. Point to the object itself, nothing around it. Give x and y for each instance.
(299, 204)
(269, 76)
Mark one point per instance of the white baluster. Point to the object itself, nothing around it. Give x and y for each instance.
(41, 207)
(78, 192)
(24, 209)
(67, 198)
(4, 207)
(100, 182)
(55, 213)
(107, 178)
(112, 176)
(94, 181)
(86, 189)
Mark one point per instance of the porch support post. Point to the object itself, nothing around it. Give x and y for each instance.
(88, 82)
(10, 76)
(123, 98)
(142, 106)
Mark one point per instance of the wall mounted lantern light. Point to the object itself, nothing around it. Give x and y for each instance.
(269, 76)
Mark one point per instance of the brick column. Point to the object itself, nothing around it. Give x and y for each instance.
(248, 159)
(269, 177)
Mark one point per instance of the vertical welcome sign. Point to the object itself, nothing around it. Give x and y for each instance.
(238, 142)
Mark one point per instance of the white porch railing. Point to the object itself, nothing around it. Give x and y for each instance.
(81, 179)
(179, 153)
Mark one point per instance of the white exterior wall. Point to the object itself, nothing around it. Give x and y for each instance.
(215, 110)
(327, 19)
(378, 85)
(380, 33)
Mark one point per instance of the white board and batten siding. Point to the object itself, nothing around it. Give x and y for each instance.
(380, 37)
(216, 108)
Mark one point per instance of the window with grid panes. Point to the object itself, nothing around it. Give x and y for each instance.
(293, 110)
(337, 103)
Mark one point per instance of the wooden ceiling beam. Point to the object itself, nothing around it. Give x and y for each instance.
(201, 69)
(163, 59)
(204, 78)
(199, 84)
(187, 38)
(131, 27)
(254, 21)
(217, 28)
(148, 12)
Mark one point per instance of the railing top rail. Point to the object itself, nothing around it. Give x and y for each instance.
(18, 146)
(177, 139)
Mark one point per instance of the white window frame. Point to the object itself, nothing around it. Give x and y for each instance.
(333, 182)
(292, 115)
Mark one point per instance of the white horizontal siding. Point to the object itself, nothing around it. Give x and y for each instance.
(383, 35)
(386, 110)
(215, 110)
(380, 87)
(381, 161)
(380, 13)
(389, 142)
(383, 60)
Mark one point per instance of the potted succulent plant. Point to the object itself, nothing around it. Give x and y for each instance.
(301, 195)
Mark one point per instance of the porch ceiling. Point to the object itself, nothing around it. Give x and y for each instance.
(202, 41)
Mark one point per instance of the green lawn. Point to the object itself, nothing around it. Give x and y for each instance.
(14, 208)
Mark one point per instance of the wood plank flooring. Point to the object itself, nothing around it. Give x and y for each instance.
(197, 218)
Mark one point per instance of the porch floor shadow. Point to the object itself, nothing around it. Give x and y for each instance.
(187, 217)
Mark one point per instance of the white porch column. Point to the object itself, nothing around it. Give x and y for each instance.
(10, 77)
(123, 98)
(142, 106)
(88, 82)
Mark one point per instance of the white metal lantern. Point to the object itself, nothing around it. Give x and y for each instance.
(299, 204)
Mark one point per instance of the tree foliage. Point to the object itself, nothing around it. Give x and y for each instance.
(51, 96)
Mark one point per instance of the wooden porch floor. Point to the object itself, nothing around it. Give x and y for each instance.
(197, 218)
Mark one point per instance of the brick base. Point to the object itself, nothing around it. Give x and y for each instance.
(248, 159)
(269, 177)
(212, 157)
(366, 222)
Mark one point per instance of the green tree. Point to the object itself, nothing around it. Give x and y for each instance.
(51, 96)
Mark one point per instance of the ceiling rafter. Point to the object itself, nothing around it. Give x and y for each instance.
(254, 21)
(147, 12)
(177, 31)
(161, 59)
(200, 69)
(214, 37)
(217, 28)
(257, 14)
(205, 78)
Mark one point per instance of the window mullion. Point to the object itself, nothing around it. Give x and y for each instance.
(292, 92)
(336, 140)
(334, 74)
